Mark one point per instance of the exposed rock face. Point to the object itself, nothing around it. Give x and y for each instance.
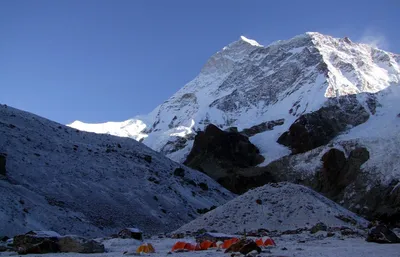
(383, 235)
(315, 129)
(383, 203)
(3, 164)
(338, 177)
(220, 154)
(338, 172)
(264, 126)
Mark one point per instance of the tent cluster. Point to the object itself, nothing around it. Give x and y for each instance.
(184, 246)
(206, 244)
(181, 246)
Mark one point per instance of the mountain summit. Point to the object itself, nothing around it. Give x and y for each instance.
(246, 84)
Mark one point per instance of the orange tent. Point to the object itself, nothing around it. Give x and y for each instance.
(259, 242)
(178, 246)
(145, 248)
(227, 243)
(205, 245)
(189, 247)
(268, 242)
(183, 246)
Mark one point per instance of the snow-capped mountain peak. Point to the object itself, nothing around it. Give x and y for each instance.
(246, 84)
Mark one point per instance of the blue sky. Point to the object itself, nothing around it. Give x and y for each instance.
(104, 60)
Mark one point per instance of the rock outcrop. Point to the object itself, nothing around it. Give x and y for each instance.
(317, 128)
(338, 172)
(220, 154)
(262, 127)
(342, 179)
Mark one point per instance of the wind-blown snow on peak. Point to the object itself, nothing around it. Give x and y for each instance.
(250, 41)
(246, 84)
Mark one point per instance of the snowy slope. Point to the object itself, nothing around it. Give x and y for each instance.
(283, 206)
(246, 84)
(69, 181)
(381, 136)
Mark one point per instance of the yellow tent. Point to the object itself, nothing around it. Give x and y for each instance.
(145, 248)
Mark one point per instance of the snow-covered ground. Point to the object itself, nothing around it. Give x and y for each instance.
(303, 245)
(75, 182)
(281, 207)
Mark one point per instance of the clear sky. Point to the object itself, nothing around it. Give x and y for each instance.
(109, 60)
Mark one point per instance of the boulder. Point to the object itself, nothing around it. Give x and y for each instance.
(79, 245)
(33, 240)
(39, 242)
(45, 246)
(249, 247)
(237, 246)
(179, 172)
(383, 235)
(244, 247)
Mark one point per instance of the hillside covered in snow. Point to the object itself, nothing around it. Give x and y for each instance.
(281, 207)
(53, 177)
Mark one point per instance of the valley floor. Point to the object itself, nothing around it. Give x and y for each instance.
(287, 245)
